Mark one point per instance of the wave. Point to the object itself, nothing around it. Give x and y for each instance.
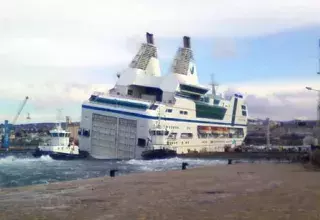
(172, 163)
(18, 160)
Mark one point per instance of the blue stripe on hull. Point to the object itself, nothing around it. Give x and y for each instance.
(154, 117)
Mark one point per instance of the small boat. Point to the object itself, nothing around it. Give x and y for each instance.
(159, 148)
(58, 146)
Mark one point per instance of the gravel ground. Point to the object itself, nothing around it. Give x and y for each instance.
(239, 191)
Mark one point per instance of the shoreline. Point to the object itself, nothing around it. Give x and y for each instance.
(237, 191)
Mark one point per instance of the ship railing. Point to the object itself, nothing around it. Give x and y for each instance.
(109, 94)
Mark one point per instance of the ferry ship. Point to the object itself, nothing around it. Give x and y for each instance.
(146, 111)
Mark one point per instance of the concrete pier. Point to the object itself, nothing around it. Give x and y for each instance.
(237, 191)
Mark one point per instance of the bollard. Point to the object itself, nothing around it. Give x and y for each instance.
(184, 165)
(112, 173)
(229, 161)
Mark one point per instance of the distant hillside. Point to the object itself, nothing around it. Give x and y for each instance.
(290, 122)
(35, 127)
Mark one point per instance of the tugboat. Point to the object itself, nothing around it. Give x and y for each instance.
(58, 146)
(159, 145)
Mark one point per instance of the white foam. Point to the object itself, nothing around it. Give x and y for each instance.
(16, 160)
(172, 163)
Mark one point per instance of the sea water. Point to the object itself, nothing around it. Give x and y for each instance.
(26, 170)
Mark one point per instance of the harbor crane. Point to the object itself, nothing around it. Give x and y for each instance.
(8, 127)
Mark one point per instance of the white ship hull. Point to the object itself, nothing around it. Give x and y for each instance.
(114, 133)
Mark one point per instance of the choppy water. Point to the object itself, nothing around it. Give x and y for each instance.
(20, 171)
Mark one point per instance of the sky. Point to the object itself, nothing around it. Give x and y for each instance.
(58, 52)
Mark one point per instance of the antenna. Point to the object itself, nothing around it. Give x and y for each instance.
(213, 84)
(59, 117)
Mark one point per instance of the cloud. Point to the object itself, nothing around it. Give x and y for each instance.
(224, 48)
(279, 101)
(53, 50)
(83, 34)
(54, 95)
(45, 99)
(284, 101)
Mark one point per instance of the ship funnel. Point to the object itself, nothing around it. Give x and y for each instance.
(150, 39)
(186, 42)
(147, 58)
(184, 65)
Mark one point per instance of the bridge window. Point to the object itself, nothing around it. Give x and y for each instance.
(193, 89)
(216, 101)
(120, 103)
(243, 107)
(186, 135)
(172, 136)
(159, 133)
(169, 110)
(210, 111)
(130, 92)
(244, 113)
(93, 98)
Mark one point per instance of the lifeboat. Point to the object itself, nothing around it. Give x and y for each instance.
(219, 130)
(204, 129)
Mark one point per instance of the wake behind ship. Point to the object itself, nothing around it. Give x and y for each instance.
(146, 111)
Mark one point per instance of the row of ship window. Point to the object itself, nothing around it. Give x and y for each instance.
(169, 110)
(181, 112)
(244, 112)
(190, 136)
(176, 142)
(153, 107)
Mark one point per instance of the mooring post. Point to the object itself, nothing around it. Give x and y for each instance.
(113, 172)
(229, 161)
(184, 165)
